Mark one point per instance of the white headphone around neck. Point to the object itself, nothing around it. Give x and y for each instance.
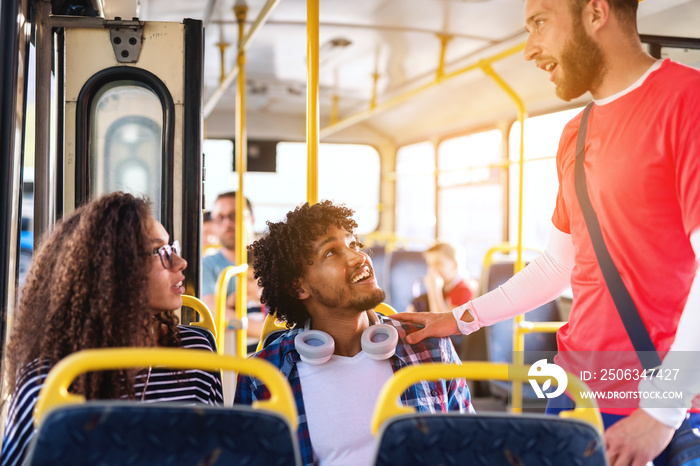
(378, 341)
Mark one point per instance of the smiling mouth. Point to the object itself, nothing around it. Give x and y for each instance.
(362, 276)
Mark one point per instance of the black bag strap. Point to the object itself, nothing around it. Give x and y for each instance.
(638, 334)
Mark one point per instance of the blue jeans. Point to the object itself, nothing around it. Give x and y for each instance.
(564, 403)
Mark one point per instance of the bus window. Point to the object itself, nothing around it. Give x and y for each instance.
(415, 191)
(347, 173)
(126, 151)
(471, 194)
(540, 183)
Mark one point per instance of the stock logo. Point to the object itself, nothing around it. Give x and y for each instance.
(545, 369)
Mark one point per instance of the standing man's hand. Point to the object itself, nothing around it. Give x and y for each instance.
(437, 324)
(636, 439)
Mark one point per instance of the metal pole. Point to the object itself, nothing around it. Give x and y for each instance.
(42, 168)
(241, 156)
(312, 119)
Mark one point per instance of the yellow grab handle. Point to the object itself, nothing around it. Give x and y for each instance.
(388, 403)
(198, 305)
(220, 296)
(55, 393)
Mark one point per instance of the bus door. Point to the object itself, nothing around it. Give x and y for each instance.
(132, 93)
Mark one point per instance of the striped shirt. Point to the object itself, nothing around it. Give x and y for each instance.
(164, 385)
(425, 396)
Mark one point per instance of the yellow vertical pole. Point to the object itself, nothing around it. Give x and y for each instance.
(241, 159)
(518, 335)
(375, 81)
(334, 109)
(312, 118)
(223, 45)
(444, 39)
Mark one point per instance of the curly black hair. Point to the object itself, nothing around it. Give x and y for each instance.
(88, 288)
(280, 256)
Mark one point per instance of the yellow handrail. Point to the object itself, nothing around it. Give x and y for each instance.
(388, 403)
(520, 325)
(384, 308)
(382, 106)
(220, 296)
(312, 113)
(262, 18)
(198, 305)
(241, 11)
(55, 393)
(518, 340)
(270, 325)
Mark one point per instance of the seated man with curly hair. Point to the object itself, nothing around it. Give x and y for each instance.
(315, 275)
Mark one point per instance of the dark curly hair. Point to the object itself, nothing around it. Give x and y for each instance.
(280, 255)
(88, 288)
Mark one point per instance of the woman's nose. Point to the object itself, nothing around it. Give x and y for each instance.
(179, 263)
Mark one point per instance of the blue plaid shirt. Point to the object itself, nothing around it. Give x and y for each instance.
(440, 396)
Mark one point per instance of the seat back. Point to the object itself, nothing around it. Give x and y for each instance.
(72, 431)
(378, 253)
(407, 437)
(499, 336)
(404, 269)
(206, 318)
(489, 440)
(121, 433)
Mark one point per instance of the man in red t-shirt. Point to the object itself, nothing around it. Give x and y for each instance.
(642, 165)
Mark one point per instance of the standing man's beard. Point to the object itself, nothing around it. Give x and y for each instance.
(582, 65)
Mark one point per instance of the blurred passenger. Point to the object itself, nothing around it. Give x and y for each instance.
(315, 275)
(106, 277)
(223, 216)
(446, 286)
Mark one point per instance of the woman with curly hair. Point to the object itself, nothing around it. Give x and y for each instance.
(106, 277)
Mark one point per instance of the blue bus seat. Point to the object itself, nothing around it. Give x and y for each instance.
(489, 440)
(115, 433)
(378, 254)
(407, 437)
(404, 269)
(73, 431)
(499, 336)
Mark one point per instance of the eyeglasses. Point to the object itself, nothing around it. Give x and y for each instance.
(230, 217)
(166, 252)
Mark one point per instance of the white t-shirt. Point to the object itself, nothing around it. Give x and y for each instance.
(339, 399)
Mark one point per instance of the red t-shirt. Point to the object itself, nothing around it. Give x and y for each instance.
(458, 294)
(643, 176)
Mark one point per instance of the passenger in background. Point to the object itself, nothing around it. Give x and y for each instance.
(223, 215)
(446, 286)
(106, 277)
(315, 275)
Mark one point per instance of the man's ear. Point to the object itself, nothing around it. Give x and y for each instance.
(597, 13)
(301, 289)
